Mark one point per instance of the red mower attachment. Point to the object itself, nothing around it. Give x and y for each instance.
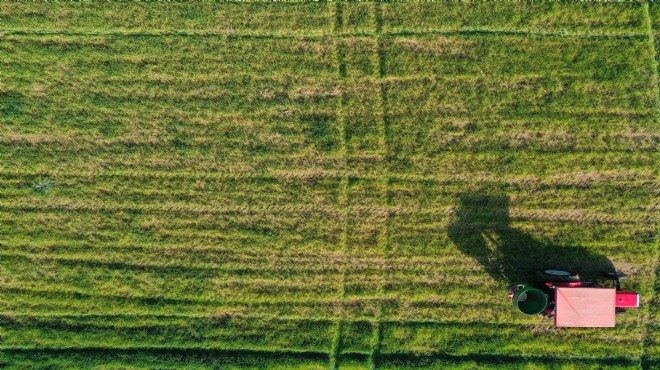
(627, 299)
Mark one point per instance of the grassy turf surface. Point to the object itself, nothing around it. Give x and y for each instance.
(315, 185)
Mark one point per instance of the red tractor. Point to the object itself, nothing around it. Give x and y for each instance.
(575, 303)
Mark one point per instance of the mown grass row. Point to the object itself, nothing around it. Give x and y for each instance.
(211, 359)
(514, 166)
(435, 290)
(218, 286)
(285, 196)
(278, 229)
(232, 256)
(364, 194)
(570, 178)
(318, 129)
(237, 333)
(416, 56)
(306, 19)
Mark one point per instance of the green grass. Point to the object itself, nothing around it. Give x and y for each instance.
(329, 184)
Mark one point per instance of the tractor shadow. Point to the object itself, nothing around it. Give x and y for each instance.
(482, 229)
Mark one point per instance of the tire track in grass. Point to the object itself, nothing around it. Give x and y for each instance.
(646, 362)
(377, 336)
(335, 350)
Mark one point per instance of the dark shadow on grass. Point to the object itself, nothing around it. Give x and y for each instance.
(442, 360)
(171, 358)
(176, 357)
(482, 229)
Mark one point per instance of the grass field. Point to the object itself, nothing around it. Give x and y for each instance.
(317, 185)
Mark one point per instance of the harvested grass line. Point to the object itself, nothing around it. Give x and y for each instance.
(34, 320)
(541, 143)
(580, 216)
(477, 31)
(118, 147)
(463, 31)
(427, 265)
(236, 252)
(175, 208)
(230, 253)
(241, 119)
(81, 294)
(586, 216)
(631, 177)
(258, 262)
(234, 267)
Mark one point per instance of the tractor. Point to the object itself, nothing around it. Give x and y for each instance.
(575, 303)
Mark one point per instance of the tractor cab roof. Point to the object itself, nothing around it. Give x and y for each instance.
(585, 307)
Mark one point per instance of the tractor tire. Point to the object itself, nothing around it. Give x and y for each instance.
(559, 275)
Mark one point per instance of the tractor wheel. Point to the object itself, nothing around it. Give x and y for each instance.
(559, 275)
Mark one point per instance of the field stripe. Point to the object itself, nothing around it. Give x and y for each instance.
(289, 318)
(370, 269)
(377, 327)
(611, 141)
(466, 31)
(336, 347)
(586, 216)
(466, 267)
(583, 178)
(621, 140)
